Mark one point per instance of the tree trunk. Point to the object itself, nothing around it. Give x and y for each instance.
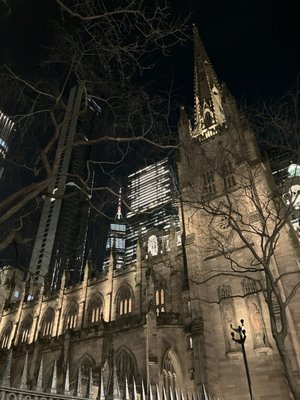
(286, 362)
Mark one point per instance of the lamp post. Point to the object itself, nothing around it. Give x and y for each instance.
(241, 340)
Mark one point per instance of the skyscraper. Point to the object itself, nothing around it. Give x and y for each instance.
(60, 239)
(167, 316)
(152, 197)
(6, 129)
(115, 244)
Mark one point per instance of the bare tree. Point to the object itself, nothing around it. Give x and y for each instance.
(276, 123)
(107, 49)
(244, 218)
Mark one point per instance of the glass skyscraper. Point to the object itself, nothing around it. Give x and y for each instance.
(152, 205)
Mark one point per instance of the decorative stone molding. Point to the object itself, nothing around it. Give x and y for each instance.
(228, 317)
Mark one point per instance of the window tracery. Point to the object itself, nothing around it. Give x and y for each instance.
(47, 324)
(259, 334)
(6, 335)
(125, 364)
(209, 186)
(153, 245)
(25, 329)
(228, 317)
(159, 300)
(229, 179)
(125, 301)
(171, 372)
(95, 309)
(71, 317)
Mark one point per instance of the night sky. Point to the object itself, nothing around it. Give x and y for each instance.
(253, 44)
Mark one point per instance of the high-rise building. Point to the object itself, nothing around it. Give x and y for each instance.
(6, 129)
(286, 171)
(60, 239)
(163, 324)
(115, 244)
(152, 200)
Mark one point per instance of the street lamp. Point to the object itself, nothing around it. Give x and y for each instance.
(241, 340)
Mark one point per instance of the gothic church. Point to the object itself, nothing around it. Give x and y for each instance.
(156, 328)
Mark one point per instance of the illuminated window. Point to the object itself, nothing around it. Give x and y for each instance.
(159, 300)
(71, 317)
(124, 302)
(153, 245)
(6, 335)
(47, 324)
(95, 309)
(25, 329)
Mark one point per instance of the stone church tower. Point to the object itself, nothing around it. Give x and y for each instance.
(160, 327)
(228, 219)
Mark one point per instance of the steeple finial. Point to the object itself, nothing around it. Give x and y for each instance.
(208, 110)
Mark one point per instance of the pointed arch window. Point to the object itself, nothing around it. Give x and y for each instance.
(160, 299)
(209, 186)
(171, 371)
(71, 317)
(228, 317)
(229, 179)
(125, 364)
(125, 300)
(153, 245)
(47, 324)
(95, 310)
(6, 335)
(86, 366)
(25, 329)
(208, 119)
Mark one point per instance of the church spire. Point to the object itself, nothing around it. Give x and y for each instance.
(208, 110)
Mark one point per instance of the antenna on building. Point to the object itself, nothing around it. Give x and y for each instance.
(119, 215)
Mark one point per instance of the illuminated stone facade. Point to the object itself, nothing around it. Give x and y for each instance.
(152, 321)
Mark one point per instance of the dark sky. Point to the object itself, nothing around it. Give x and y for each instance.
(253, 44)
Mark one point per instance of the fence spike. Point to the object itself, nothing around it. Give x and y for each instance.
(79, 388)
(134, 390)
(127, 397)
(90, 391)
